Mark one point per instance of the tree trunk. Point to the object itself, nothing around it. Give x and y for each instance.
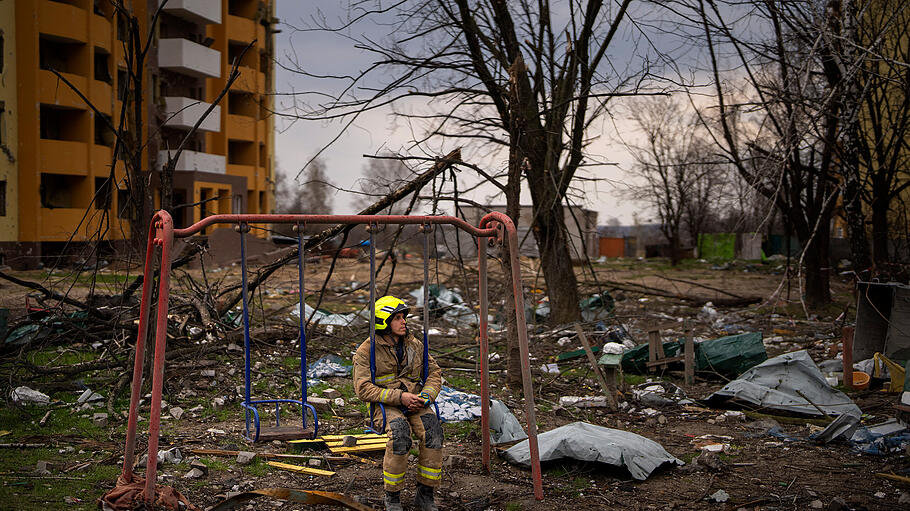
(856, 222)
(550, 230)
(880, 229)
(513, 210)
(818, 266)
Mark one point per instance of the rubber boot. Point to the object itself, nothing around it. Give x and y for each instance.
(424, 499)
(393, 501)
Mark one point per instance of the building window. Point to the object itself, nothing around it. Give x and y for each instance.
(122, 88)
(104, 135)
(2, 123)
(61, 191)
(2, 198)
(62, 123)
(1, 51)
(61, 56)
(102, 66)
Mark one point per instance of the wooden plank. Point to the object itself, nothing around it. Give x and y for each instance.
(690, 360)
(364, 436)
(665, 361)
(301, 470)
(608, 390)
(284, 433)
(655, 349)
(378, 441)
(358, 448)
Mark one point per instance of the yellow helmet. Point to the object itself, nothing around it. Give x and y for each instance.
(386, 307)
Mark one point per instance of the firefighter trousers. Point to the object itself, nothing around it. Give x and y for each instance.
(426, 427)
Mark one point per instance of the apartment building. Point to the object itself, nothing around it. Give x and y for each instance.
(65, 150)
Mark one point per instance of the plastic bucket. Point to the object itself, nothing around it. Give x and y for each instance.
(860, 380)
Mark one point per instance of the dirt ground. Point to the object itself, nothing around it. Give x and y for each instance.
(757, 471)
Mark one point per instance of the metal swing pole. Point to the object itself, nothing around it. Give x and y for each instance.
(484, 352)
(426, 302)
(301, 266)
(241, 228)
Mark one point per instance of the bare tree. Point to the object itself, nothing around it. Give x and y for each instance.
(675, 177)
(513, 75)
(382, 176)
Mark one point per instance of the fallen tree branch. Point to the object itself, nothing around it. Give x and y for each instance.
(441, 165)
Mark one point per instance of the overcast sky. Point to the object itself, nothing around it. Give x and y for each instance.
(378, 131)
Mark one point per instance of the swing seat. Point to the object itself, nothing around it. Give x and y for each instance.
(259, 433)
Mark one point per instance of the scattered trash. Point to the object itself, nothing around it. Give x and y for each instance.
(325, 498)
(449, 304)
(505, 427)
(712, 443)
(89, 397)
(327, 318)
(789, 382)
(588, 442)
(550, 368)
(563, 341)
(583, 401)
(887, 437)
(25, 395)
(719, 496)
(842, 427)
(328, 366)
(455, 406)
(730, 356)
(658, 394)
(171, 456)
(613, 348)
(596, 306)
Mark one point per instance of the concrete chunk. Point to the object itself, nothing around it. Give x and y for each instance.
(245, 457)
(99, 419)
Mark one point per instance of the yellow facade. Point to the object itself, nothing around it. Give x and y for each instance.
(63, 154)
(9, 140)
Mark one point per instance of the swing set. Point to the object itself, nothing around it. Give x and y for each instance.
(494, 228)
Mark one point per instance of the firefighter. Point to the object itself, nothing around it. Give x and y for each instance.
(399, 371)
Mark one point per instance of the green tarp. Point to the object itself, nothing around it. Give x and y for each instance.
(728, 356)
(717, 246)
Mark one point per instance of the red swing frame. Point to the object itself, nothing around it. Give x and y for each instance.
(494, 228)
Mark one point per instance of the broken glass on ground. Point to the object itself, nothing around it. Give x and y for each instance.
(790, 382)
(587, 442)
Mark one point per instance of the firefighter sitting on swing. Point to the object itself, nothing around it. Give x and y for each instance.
(399, 373)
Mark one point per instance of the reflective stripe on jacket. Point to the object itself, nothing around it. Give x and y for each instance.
(392, 380)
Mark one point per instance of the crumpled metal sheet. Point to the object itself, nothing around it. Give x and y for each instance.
(311, 497)
(587, 442)
(790, 382)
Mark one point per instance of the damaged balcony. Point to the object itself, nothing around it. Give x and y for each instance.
(184, 113)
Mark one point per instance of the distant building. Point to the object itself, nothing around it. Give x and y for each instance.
(581, 225)
(62, 151)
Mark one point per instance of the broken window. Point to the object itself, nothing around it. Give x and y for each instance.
(121, 84)
(102, 66)
(62, 123)
(243, 8)
(60, 55)
(3, 198)
(241, 153)
(61, 191)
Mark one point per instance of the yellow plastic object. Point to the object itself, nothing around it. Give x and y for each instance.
(860, 380)
(897, 372)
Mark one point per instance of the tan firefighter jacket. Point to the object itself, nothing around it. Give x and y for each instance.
(392, 380)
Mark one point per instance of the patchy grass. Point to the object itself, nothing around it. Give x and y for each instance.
(458, 429)
(61, 357)
(258, 467)
(462, 383)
